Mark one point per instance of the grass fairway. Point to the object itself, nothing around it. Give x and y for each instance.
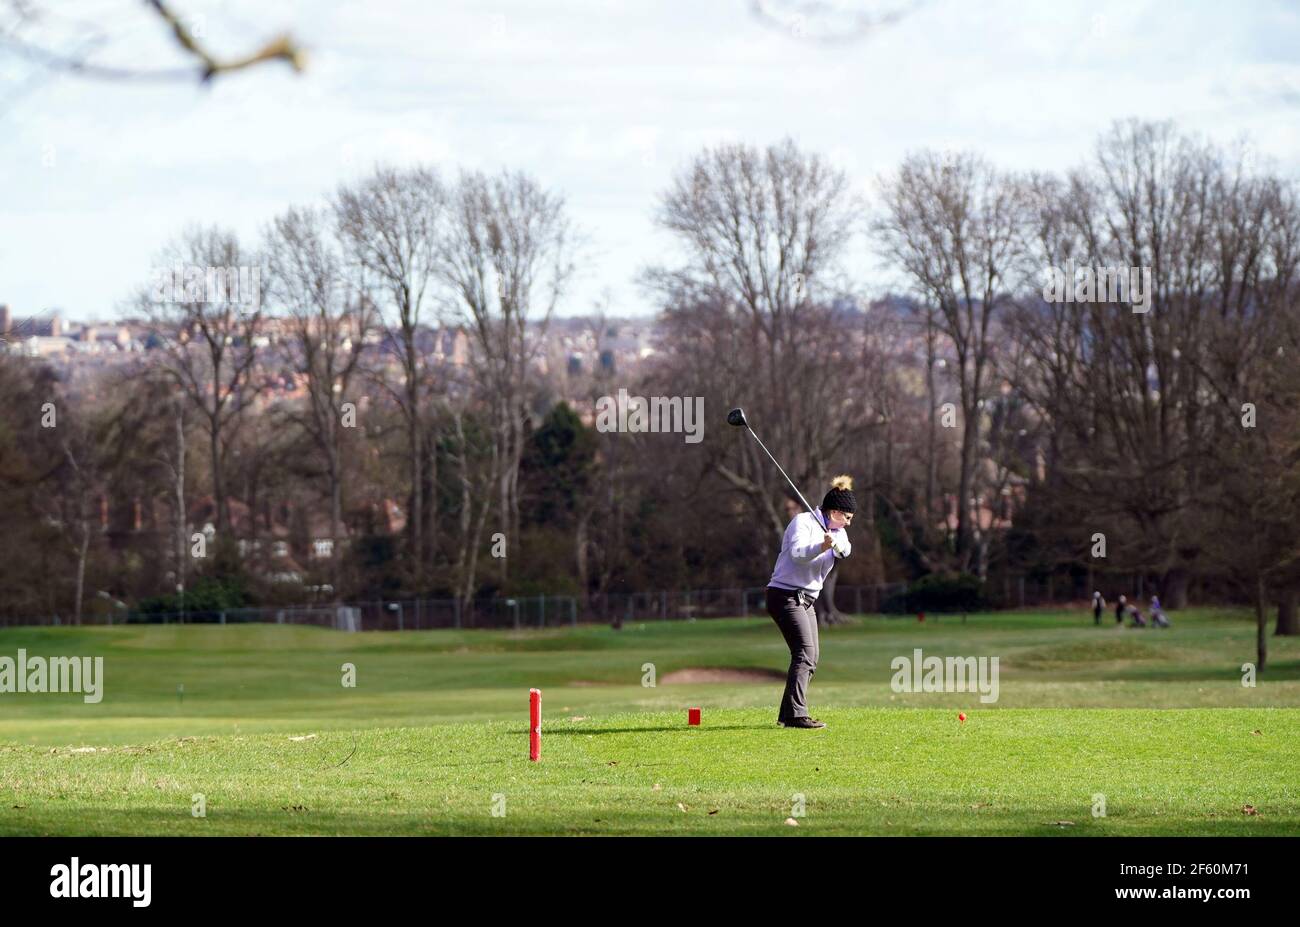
(434, 735)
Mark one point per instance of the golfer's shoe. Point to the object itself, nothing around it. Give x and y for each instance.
(802, 722)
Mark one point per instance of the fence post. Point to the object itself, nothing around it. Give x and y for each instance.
(858, 601)
(744, 603)
(573, 611)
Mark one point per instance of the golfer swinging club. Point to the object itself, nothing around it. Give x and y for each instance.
(808, 551)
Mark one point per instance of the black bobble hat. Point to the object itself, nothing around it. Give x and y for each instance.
(840, 496)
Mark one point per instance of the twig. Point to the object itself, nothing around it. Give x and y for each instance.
(281, 47)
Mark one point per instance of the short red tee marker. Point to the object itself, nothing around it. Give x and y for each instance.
(693, 716)
(534, 724)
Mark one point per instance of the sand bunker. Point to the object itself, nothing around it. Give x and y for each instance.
(696, 674)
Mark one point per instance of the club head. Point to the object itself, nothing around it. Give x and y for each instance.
(737, 417)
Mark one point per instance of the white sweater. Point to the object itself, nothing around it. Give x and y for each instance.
(802, 564)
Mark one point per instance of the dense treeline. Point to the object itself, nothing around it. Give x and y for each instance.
(993, 426)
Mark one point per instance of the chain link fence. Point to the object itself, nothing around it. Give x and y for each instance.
(552, 611)
(500, 612)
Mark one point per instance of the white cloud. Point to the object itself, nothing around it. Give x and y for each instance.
(601, 101)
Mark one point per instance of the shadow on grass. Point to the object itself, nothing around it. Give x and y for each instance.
(562, 732)
(273, 817)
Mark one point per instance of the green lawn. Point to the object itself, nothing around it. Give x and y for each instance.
(1157, 721)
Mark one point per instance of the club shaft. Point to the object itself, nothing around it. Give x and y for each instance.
(787, 477)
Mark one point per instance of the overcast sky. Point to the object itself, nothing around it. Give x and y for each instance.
(601, 101)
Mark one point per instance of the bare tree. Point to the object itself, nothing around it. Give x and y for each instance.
(331, 319)
(25, 32)
(475, 463)
(505, 261)
(952, 223)
(206, 310)
(391, 224)
(77, 503)
(763, 232)
(1136, 394)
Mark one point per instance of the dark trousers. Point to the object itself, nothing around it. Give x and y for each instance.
(798, 624)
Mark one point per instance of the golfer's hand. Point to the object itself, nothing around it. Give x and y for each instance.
(827, 543)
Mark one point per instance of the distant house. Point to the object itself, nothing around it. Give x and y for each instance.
(48, 335)
(43, 345)
(14, 329)
(991, 511)
(438, 345)
(277, 540)
(286, 543)
(384, 517)
(451, 346)
(129, 522)
(118, 336)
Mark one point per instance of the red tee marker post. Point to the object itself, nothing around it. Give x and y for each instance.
(693, 716)
(534, 724)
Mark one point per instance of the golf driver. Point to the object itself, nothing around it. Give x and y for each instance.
(737, 417)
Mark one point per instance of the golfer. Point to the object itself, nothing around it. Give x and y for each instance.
(808, 551)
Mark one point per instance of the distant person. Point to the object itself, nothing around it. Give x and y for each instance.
(1098, 606)
(1121, 609)
(1136, 616)
(1158, 619)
